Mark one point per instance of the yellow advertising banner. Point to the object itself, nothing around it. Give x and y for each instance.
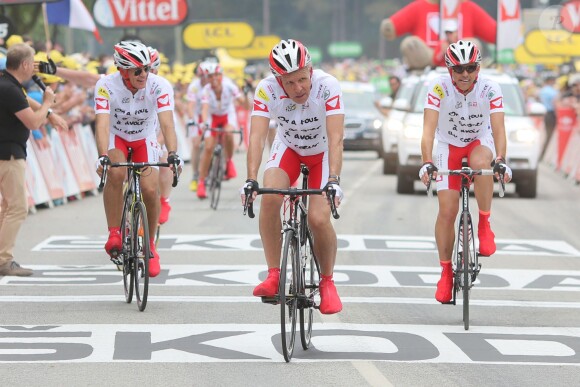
(522, 56)
(552, 42)
(199, 36)
(259, 49)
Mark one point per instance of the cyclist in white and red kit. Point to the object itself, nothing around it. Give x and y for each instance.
(129, 105)
(218, 109)
(464, 112)
(307, 105)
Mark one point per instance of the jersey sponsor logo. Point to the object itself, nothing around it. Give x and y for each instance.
(433, 100)
(437, 89)
(260, 106)
(103, 92)
(163, 101)
(291, 107)
(102, 104)
(496, 103)
(262, 94)
(333, 103)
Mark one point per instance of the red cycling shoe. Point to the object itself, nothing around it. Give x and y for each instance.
(329, 300)
(486, 239)
(230, 170)
(164, 210)
(269, 288)
(154, 266)
(201, 190)
(445, 284)
(114, 244)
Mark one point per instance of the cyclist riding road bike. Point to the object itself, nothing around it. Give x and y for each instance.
(218, 109)
(464, 112)
(129, 105)
(307, 106)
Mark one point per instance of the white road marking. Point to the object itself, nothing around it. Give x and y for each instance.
(251, 299)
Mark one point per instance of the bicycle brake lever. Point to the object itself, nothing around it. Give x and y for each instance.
(248, 206)
(330, 195)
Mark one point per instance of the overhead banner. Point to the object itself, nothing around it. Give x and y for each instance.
(259, 49)
(203, 36)
(570, 16)
(509, 30)
(139, 13)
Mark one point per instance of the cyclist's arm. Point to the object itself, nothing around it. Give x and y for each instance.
(335, 132)
(81, 78)
(258, 134)
(204, 112)
(168, 129)
(430, 122)
(102, 132)
(499, 136)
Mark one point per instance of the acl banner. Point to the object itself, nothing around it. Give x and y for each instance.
(43, 152)
(83, 173)
(66, 175)
(34, 179)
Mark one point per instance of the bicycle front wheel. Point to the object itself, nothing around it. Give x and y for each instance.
(216, 181)
(311, 277)
(126, 233)
(466, 263)
(141, 254)
(288, 293)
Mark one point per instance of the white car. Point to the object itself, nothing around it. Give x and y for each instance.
(393, 123)
(524, 142)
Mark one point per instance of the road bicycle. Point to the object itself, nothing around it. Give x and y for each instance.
(133, 259)
(217, 168)
(298, 292)
(465, 258)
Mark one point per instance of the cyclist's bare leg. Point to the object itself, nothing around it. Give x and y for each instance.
(481, 158)
(165, 178)
(445, 224)
(325, 244)
(195, 156)
(270, 222)
(229, 142)
(113, 192)
(150, 192)
(205, 160)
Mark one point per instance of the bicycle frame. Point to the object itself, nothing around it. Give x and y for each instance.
(465, 258)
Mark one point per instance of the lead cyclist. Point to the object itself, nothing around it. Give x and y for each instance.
(464, 112)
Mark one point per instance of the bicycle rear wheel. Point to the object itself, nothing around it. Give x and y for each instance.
(288, 294)
(126, 234)
(141, 254)
(311, 277)
(466, 263)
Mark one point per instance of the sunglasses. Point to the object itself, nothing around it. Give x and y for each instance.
(138, 71)
(461, 69)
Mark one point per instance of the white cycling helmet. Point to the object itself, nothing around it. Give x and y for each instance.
(155, 58)
(288, 56)
(131, 55)
(461, 53)
(209, 68)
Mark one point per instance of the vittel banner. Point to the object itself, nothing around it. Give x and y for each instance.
(139, 13)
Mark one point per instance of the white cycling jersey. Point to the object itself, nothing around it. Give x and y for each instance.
(133, 116)
(226, 103)
(194, 92)
(463, 118)
(301, 127)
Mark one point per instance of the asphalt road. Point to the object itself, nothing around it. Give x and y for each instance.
(69, 324)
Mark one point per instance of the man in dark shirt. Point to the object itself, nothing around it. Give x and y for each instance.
(17, 118)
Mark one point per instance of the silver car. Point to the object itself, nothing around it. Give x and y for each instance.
(362, 119)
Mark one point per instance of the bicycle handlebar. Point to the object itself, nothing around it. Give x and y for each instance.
(293, 193)
(467, 172)
(220, 129)
(140, 165)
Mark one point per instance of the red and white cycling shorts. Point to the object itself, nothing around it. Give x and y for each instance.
(289, 161)
(450, 157)
(221, 122)
(144, 150)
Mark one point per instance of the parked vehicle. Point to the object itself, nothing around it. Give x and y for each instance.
(523, 135)
(362, 120)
